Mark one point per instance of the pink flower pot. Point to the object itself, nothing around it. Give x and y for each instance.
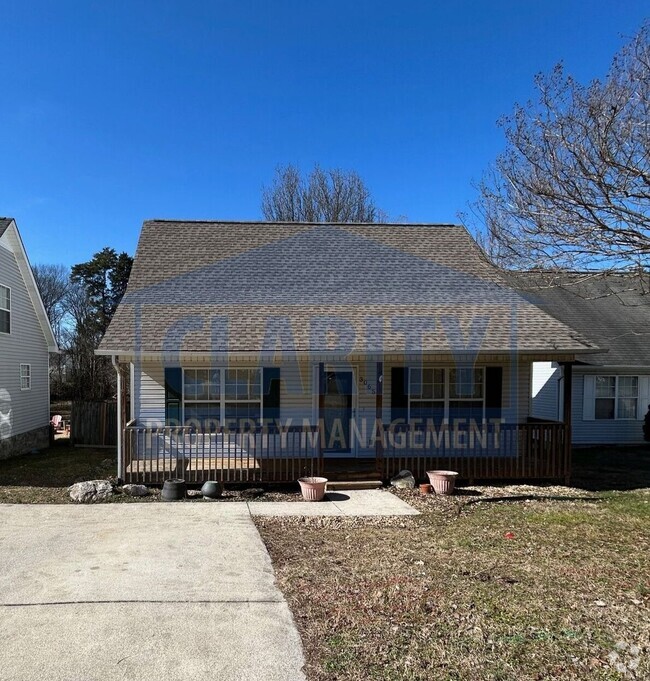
(313, 489)
(443, 482)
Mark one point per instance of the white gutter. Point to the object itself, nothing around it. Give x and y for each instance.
(119, 415)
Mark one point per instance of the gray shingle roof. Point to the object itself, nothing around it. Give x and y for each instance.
(376, 284)
(4, 223)
(609, 310)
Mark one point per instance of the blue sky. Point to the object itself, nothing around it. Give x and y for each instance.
(117, 112)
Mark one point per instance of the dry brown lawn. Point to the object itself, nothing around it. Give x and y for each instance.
(534, 587)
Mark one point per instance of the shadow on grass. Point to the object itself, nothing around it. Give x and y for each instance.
(462, 492)
(58, 466)
(611, 468)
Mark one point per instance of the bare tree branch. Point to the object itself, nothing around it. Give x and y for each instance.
(324, 196)
(571, 191)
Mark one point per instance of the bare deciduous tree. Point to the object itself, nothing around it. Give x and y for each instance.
(572, 189)
(324, 196)
(53, 283)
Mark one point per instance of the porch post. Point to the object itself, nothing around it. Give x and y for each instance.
(567, 372)
(319, 418)
(126, 375)
(118, 374)
(379, 405)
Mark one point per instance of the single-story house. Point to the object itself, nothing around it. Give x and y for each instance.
(26, 339)
(267, 351)
(611, 389)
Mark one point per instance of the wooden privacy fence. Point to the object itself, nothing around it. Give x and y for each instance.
(93, 423)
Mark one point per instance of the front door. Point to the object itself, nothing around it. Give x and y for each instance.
(337, 412)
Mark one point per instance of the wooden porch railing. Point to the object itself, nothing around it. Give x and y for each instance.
(535, 450)
(152, 455)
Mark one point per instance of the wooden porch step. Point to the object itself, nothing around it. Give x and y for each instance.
(353, 484)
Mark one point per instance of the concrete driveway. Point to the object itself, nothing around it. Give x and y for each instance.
(140, 591)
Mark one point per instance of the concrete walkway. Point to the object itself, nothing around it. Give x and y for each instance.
(368, 502)
(140, 591)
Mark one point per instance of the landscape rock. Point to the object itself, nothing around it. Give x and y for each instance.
(252, 493)
(91, 491)
(135, 490)
(404, 480)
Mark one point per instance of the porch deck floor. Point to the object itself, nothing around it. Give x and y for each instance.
(192, 464)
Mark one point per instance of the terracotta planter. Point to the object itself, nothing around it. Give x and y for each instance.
(425, 489)
(443, 482)
(313, 489)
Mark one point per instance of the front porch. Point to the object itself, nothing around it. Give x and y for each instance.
(533, 450)
(354, 426)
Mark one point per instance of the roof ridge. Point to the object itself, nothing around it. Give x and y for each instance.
(287, 223)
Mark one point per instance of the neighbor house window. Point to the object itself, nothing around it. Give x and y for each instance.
(616, 397)
(25, 376)
(5, 309)
(221, 396)
(446, 394)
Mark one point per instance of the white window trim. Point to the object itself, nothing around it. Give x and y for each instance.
(616, 397)
(222, 390)
(7, 309)
(27, 376)
(447, 397)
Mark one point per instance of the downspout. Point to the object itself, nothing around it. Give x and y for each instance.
(119, 415)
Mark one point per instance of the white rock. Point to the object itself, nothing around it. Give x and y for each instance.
(404, 480)
(135, 490)
(91, 491)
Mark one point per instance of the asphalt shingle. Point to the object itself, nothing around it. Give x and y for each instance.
(388, 287)
(610, 310)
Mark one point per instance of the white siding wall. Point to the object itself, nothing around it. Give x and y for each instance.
(21, 411)
(545, 390)
(596, 431)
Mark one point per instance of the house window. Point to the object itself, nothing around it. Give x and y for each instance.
(221, 396)
(616, 397)
(466, 394)
(202, 397)
(243, 395)
(5, 309)
(445, 394)
(25, 376)
(427, 394)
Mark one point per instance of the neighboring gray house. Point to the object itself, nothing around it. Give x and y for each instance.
(26, 339)
(611, 389)
(266, 351)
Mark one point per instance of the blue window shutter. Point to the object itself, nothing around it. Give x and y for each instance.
(493, 392)
(270, 394)
(173, 395)
(399, 393)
